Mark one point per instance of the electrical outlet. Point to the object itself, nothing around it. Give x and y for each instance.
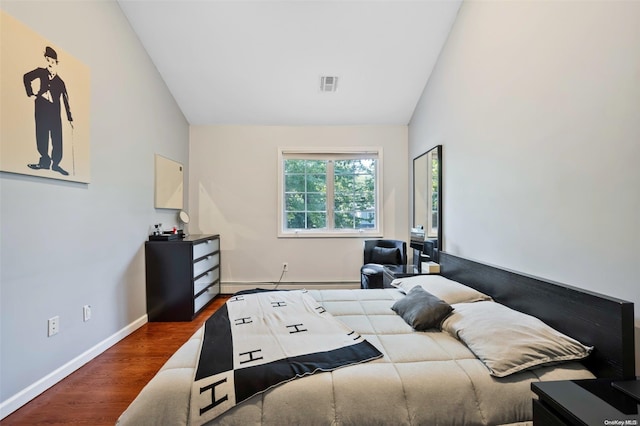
(285, 266)
(54, 325)
(86, 313)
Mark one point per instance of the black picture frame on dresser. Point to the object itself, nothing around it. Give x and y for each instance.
(182, 276)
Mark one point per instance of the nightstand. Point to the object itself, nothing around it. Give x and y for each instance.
(391, 272)
(583, 402)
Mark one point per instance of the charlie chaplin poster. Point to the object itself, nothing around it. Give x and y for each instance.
(44, 108)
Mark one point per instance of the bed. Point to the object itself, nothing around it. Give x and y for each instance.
(431, 376)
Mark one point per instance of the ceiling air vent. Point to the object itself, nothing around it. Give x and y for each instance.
(328, 84)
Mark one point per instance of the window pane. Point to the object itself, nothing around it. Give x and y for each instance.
(294, 183)
(294, 166)
(364, 201)
(316, 220)
(343, 203)
(355, 196)
(344, 183)
(317, 183)
(295, 220)
(305, 194)
(294, 202)
(365, 220)
(344, 220)
(317, 202)
(360, 166)
(368, 182)
(316, 166)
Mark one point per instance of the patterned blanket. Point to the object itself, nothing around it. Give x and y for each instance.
(260, 340)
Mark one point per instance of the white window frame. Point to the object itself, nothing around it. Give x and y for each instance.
(330, 153)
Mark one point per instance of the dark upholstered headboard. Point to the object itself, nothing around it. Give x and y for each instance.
(594, 319)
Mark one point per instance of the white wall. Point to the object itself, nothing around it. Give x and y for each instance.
(233, 192)
(537, 105)
(65, 244)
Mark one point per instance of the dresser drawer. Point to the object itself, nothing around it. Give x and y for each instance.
(205, 264)
(205, 298)
(206, 280)
(206, 247)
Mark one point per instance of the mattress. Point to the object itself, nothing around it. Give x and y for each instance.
(423, 378)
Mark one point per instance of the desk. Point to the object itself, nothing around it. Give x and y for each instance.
(583, 402)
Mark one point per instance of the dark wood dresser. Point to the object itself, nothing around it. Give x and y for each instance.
(183, 276)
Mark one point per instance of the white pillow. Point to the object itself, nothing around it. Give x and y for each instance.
(508, 341)
(448, 290)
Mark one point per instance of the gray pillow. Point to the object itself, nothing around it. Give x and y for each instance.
(386, 256)
(421, 309)
(508, 341)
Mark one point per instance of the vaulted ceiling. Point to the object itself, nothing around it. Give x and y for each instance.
(260, 62)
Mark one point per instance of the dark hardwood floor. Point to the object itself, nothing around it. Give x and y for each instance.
(98, 392)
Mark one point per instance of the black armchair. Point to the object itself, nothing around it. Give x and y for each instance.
(377, 254)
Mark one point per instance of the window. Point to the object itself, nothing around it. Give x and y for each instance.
(330, 193)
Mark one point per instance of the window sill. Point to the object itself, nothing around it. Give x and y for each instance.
(330, 234)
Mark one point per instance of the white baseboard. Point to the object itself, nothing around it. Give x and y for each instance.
(27, 394)
(232, 287)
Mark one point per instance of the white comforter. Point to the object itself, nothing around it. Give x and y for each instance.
(424, 378)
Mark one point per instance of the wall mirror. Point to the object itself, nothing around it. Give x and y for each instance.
(169, 183)
(427, 194)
